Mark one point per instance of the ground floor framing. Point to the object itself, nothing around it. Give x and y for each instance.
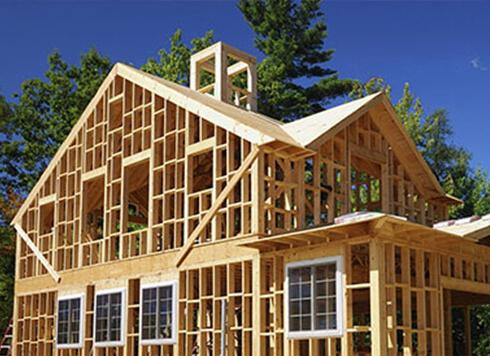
(398, 282)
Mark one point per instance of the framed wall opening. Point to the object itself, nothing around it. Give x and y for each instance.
(46, 218)
(136, 198)
(365, 185)
(201, 166)
(93, 213)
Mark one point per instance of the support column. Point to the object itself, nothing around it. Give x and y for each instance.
(448, 322)
(377, 298)
(252, 86)
(256, 309)
(220, 73)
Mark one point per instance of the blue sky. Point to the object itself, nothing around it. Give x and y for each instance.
(441, 48)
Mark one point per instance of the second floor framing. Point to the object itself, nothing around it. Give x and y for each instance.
(145, 164)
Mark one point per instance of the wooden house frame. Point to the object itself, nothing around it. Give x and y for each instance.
(220, 209)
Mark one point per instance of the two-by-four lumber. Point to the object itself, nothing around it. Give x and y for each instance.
(217, 204)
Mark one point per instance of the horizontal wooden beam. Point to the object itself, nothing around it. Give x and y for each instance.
(37, 253)
(137, 158)
(232, 70)
(96, 173)
(465, 285)
(47, 200)
(252, 156)
(201, 146)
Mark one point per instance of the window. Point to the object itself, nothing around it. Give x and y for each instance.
(109, 318)
(314, 298)
(158, 313)
(69, 327)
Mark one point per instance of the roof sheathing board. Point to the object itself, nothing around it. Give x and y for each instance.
(311, 128)
(476, 230)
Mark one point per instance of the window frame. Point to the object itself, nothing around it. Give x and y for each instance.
(339, 330)
(122, 333)
(81, 322)
(167, 341)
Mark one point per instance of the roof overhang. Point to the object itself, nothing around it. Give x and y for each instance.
(473, 228)
(315, 130)
(369, 226)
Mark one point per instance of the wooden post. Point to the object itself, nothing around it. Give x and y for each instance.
(252, 86)
(377, 298)
(258, 195)
(220, 72)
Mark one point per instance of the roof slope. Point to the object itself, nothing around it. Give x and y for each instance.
(475, 228)
(310, 128)
(259, 129)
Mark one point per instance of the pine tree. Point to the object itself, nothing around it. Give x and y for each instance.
(45, 112)
(174, 64)
(293, 80)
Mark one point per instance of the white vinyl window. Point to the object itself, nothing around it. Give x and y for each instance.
(158, 313)
(314, 298)
(69, 329)
(109, 317)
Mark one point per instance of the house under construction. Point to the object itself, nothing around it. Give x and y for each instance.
(179, 221)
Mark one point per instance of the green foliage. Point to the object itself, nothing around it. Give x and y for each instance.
(480, 194)
(450, 163)
(6, 275)
(373, 85)
(292, 79)
(44, 114)
(480, 329)
(7, 255)
(174, 64)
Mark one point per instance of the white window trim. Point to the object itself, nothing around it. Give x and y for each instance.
(167, 341)
(122, 335)
(339, 331)
(78, 345)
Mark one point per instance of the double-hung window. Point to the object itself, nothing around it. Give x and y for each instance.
(314, 298)
(109, 317)
(69, 327)
(158, 313)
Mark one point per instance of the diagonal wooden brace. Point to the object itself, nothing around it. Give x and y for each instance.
(252, 156)
(38, 253)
